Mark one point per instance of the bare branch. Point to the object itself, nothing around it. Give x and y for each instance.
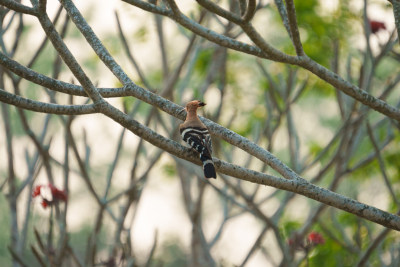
(18, 7)
(284, 16)
(350, 89)
(291, 11)
(38, 78)
(129, 54)
(209, 34)
(381, 164)
(161, 40)
(11, 179)
(42, 45)
(242, 6)
(17, 257)
(153, 248)
(69, 59)
(396, 13)
(38, 257)
(38, 106)
(373, 245)
(256, 245)
(250, 11)
(212, 7)
(149, 7)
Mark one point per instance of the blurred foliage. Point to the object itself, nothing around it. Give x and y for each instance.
(142, 34)
(331, 254)
(393, 160)
(203, 61)
(319, 32)
(169, 169)
(289, 227)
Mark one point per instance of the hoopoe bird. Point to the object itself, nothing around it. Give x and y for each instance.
(196, 134)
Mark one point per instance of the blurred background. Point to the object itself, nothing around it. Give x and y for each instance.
(123, 202)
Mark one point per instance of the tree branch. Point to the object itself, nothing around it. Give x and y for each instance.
(18, 7)
(149, 7)
(299, 186)
(207, 33)
(291, 11)
(350, 89)
(250, 11)
(67, 56)
(38, 106)
(284, 16)
(396, 13)
(212, 7)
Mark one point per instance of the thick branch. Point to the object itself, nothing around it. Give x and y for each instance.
(167, 105)
(350, 89)
(38, 106)
(40, 79)
(299, 186)
(95, 42)
(53, 84)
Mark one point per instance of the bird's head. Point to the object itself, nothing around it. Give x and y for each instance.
(194, 105)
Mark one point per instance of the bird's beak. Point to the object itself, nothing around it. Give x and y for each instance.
(202, 104)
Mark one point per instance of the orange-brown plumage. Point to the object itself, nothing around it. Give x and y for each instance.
(191, 117)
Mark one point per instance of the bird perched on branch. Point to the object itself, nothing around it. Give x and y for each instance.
(196, 134)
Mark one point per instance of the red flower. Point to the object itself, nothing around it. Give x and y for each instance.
(315, 238)
(36, 191)
(299, 243)
(44, 203)
(57, 195)
(376, 26)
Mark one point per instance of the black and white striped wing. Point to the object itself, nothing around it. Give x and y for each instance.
(208, 143)
(198, 138)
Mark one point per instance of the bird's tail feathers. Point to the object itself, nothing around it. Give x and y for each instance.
(209, 168)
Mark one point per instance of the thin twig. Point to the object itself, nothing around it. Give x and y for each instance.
(291, 11)
(381, 164)
(17, 257)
